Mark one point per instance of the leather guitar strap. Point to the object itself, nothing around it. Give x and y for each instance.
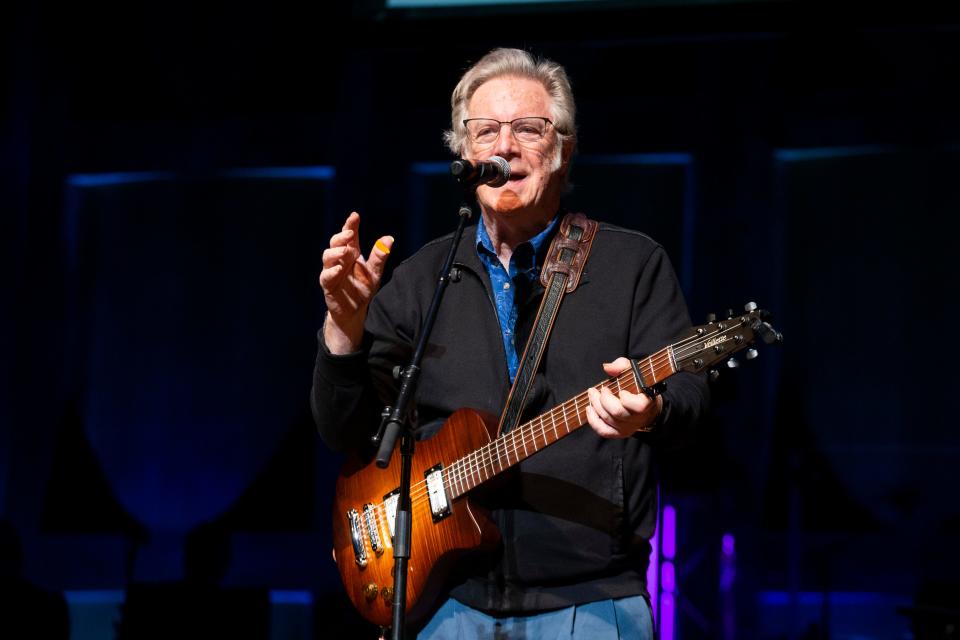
(560, 275)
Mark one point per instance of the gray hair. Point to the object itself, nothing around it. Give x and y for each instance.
(514, 62)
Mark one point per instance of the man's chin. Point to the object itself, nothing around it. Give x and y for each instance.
(507, 201)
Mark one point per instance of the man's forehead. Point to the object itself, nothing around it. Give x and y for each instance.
(506, 92)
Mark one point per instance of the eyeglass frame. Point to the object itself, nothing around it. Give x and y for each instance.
(509, 122)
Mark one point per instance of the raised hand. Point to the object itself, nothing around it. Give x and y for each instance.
(349, 281)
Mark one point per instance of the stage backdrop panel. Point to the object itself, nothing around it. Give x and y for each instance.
(194, 309)
(867, 381)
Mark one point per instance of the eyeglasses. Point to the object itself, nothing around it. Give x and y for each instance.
(485, 131)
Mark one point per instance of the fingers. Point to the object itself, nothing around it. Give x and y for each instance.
(338, 260)
(330, 276)
(634, 403)
(337, 263)
(349, 234)
(600, 427)
(598, 416)
(616, 367)
(348, 280)
(352, 222)
(617, 416)
(378, 257)
(613, 409)
(339, 255)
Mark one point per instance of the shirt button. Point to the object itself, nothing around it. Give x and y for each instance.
(506, 285)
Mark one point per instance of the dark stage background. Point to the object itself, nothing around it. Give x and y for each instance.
(170, 176)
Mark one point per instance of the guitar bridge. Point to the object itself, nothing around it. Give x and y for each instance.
(356, 537)
(439, 506)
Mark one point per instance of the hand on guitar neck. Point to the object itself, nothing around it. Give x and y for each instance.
(621, 415)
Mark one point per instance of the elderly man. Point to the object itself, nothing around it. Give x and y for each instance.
(575, 518)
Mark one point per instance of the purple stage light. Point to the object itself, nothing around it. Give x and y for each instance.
(667, 533)
(666, 617)
(727, 545)
(669, 543)
(668, 577)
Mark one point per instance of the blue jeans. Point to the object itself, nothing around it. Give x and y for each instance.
(624, 618)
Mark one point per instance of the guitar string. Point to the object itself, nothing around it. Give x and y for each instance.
(421, 500)
(475, 468)
(470, 466)
(480, 462)
(482, 457)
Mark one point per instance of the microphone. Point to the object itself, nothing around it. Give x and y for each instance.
(494, 172)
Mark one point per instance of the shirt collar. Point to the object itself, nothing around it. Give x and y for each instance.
(524, 254)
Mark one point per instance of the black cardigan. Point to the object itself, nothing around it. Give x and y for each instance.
(576, 517)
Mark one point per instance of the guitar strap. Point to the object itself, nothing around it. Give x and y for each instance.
(560, 275)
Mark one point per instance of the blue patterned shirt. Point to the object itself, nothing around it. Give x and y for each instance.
(524, 270)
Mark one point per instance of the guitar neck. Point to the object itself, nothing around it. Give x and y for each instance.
(511, 448)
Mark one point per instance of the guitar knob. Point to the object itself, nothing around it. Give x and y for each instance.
(714, 374)
(752, 353)
(732, 363)
(750, 307)
(387, 593)
(370, 592)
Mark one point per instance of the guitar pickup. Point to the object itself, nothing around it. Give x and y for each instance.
(373, 528)
(390, 508)
(439, 505)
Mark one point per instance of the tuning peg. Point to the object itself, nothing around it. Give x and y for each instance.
(714, 374)
(750, 307)
(732, 363)
(729, 314)
(769, 334)
(752, 353)
(711, 317)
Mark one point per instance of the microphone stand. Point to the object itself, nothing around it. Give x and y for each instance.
(395, 420)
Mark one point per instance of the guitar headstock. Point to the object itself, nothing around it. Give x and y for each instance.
(718, 340)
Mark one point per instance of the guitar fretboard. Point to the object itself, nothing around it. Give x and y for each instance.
(530, 437)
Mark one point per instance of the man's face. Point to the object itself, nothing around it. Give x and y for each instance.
(536, 168)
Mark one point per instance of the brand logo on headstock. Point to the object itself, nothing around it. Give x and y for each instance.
(715, 341)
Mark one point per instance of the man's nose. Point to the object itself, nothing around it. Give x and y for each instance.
(506, 144)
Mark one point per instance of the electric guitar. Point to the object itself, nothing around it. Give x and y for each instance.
(465, 453)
